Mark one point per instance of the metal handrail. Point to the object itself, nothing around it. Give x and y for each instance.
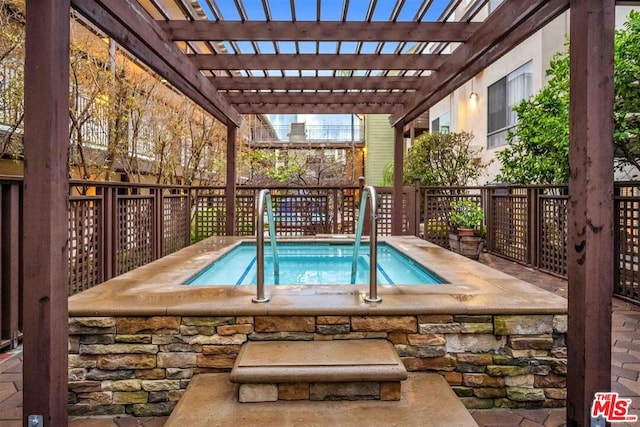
(265, 196)
(373, 241)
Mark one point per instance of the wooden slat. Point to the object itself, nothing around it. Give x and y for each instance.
(230, 189)
(507, 26)
(318, 108)
(590, 208)
(318, 31)
(319, 83)
(317, 62)
(46, 221)
(132, 28)
(316, 98)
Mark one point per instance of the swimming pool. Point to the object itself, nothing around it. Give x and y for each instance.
(314, 264)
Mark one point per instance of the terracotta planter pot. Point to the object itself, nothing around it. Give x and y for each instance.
(465, 232)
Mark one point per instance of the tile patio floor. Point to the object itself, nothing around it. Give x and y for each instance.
(625, 369)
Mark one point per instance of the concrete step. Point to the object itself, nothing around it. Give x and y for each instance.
(318, 370)
(427, 401)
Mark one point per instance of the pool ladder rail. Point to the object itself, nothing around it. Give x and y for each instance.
(264, 200)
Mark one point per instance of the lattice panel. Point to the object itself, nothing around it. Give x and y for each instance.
(175, 223)
(85, 255)
(627, 282)
(210, 217)
(135, 232)
(510, 226)
(552, 245)
(245, 215)
(301, 215)
(437, 215)
(385, 206)
(348, 209)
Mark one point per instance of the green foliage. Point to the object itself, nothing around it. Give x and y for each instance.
(387, 175)
(466, 214)
(538, 149)
(443, 159)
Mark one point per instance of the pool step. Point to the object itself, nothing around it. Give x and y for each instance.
(427, 401)
(268, 371)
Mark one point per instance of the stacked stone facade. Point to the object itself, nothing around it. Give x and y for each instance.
(142, 365)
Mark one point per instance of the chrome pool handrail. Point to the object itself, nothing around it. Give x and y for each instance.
(368, 193)
(265, 196)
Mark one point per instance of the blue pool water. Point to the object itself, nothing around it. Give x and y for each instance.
(314, 264)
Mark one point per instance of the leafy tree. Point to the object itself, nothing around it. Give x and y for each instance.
(538, 149)
(443, 159)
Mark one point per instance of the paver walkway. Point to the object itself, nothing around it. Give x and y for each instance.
(624, 380)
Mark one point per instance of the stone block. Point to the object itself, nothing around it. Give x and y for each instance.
(333, 320)
(180, 348)
(158, 396)
(489, 393)
(553, 403)
(281, 336)
(398, 338)
(435, 318)
(474, 343)
(559, 352)
(126, 361)
(550, 381)
(475, 359)
(453, 378)
(439, 328)
(360, 336)
(523, 381)
(476, 403)
(160, 385)
(96, 398)
(160, 339)
(175, 395)
(167, 325)
(473, 318)
(190, 330)
(150, 374)
(220, 361)
(208, 321)
(82, 361)
(293, 391)
(221, 349)
(555, 393)
(527, 353)
(384, 323)
(443, 363)
(101, 374)
(92, 325)
(236, 339)
(467, 368)
(258, 393)
(161, 409)
(240, 320)
(476, 328)
(426, 339)
(130, 397)
(77, 374)
(122, 385)
(523, 324)
(97, 339)
(512, 404)
(558, 366)
(132, 339)
(177, 360)
(333, 329)
(560, 323)
(344, 391)
(234, 329)
(520, 394)
(94, 410)
(285, 324)
(482, 380)
(531, 342)
(507, 370)
(85, 386)
(179, 374)
(74, 344)
(390, 390)
(419, 351)
(118, 349)
(461, 391)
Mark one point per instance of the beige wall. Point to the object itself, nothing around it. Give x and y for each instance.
(379, 147)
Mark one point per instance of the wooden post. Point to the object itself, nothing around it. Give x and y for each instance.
(230, 192)
(398, 160)
(590, 209)
(46, 221)
(10, 262)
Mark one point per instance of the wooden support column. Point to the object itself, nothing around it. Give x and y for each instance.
(230, 192)
(590, 262)
(398, 161)
(46, 222)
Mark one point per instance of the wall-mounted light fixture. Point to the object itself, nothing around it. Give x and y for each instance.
(473, 97)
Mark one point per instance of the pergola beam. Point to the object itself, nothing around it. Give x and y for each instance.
(316, 98)
(319, 31)
(319, 83)
(319, 108)
(507, 26)
(317, 62)
(131, 27)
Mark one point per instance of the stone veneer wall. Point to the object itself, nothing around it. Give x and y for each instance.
(142, 365)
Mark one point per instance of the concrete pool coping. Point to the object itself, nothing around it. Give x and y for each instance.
(158, 289)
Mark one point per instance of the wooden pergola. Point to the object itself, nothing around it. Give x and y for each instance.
(387, 58)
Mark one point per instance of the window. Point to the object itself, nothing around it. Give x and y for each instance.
(441, 123)
(493, 4)
(505, 94)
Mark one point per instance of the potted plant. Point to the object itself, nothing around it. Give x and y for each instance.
(466, 221)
